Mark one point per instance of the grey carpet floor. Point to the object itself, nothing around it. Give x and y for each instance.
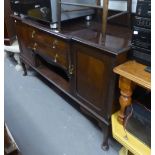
(43, 123)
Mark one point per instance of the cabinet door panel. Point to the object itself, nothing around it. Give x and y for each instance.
(92, 77)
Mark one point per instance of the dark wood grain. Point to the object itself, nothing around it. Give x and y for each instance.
(24, 36)
(85, 55)
(117, 37)
(34, 40)
(54, 47)
(91, 77)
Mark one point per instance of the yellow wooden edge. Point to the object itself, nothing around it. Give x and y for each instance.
(132, 143)
(132, 78)
(123, 151)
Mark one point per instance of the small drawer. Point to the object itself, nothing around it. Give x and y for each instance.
(49, 40)
(51, 54)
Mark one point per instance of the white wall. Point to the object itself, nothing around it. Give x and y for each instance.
(120, 5)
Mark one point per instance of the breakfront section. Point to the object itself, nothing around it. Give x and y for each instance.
(94, 82)
(38, 43)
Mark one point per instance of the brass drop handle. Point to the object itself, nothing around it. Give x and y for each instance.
(71, 69)
(34, 47)
(33, 34)
(56, 57)
(55, 42)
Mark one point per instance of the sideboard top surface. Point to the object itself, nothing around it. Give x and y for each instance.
(117, 37)
(116, 41)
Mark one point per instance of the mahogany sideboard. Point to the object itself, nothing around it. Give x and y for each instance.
(79, 61)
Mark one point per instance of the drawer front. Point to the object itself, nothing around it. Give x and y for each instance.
(51, 47)
(51, 54)
(49, 40)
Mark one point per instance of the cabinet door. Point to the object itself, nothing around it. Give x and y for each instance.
(92, 77)
(24, 34)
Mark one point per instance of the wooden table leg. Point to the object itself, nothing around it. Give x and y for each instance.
(126, 88)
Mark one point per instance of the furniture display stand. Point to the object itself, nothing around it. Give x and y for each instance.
(131, 73)
(77, 61)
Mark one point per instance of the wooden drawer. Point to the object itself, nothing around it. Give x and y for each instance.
(51, 47)
(49, 40)
(51, 54)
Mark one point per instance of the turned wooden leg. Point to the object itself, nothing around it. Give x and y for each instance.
(24, 69)
(126, 88)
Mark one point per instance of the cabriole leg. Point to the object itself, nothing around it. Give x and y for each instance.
(24, 69)
(105, 145)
